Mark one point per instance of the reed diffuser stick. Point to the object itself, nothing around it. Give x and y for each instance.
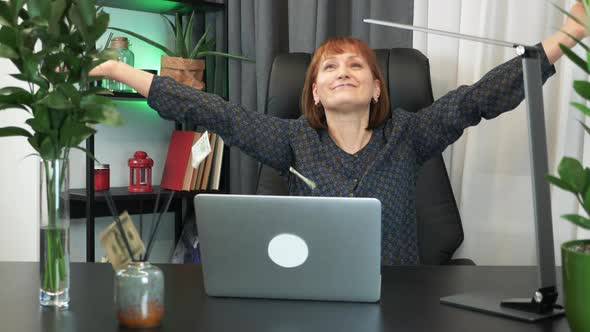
(111, 205)
(153, 235)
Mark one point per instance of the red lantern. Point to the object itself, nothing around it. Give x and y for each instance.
(140, 173)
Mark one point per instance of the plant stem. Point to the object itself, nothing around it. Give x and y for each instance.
(61, 254)
(54, 263)
(50, 259)
(49, 271)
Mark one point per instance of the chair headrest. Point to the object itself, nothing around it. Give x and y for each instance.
(285, 85)
(408, 79)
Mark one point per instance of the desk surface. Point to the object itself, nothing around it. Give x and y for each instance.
(410, 302)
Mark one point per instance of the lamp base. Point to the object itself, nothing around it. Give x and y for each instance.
(490, 304)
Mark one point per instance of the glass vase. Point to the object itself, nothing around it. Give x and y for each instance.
(54, 244)
(139, 295)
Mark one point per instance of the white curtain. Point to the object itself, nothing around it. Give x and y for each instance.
(490, 165)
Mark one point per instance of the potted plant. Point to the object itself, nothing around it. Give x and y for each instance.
(575, 178)
(185, 63)
(52, 44)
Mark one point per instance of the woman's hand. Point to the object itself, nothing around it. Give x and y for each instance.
(104, 69)
(138, 80)
(551, 44)
(573, 27)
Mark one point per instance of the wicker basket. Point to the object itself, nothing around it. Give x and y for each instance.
(185, 71)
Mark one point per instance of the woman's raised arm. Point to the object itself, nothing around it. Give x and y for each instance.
(263, 137)
(137, 79)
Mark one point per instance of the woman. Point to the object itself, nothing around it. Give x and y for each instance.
(347, 142)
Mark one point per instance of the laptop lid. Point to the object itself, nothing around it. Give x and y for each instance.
(316, 248)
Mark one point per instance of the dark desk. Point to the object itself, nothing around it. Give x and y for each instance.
(410, 302)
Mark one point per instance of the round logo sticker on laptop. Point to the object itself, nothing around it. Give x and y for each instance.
(288, 250)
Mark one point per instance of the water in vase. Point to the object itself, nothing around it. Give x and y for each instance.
(54, 266)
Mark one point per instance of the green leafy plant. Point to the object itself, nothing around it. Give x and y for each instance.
(63, 111)
(184, 40)
(52, 45)
(572, 175)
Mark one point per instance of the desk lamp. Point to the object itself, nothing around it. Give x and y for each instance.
(542, 304)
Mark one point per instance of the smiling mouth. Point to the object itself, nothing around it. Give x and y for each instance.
(343, 86)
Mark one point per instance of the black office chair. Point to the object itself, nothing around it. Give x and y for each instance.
(407, 73)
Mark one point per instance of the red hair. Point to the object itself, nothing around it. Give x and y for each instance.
(379, 111)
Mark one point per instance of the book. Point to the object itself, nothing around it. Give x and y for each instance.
(200, 172)
(216, 165)
(188, 175)
(208, 162)
(177, 158)
(193, 178)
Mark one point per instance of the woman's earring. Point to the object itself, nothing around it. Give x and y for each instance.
(375, 100)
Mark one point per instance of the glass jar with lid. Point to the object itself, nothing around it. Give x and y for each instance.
(121, 44)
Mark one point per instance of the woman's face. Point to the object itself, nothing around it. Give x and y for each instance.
(345, 82)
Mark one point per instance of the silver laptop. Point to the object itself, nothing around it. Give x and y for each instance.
(313, 248)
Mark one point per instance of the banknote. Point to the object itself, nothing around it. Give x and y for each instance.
(200, 150)
(114, 245)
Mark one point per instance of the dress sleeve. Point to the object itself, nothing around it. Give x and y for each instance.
(263, 137)
(499, 91)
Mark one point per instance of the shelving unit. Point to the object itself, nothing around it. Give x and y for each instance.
(162, 6)
(84, 201)
(134, 203)
(127, 95)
